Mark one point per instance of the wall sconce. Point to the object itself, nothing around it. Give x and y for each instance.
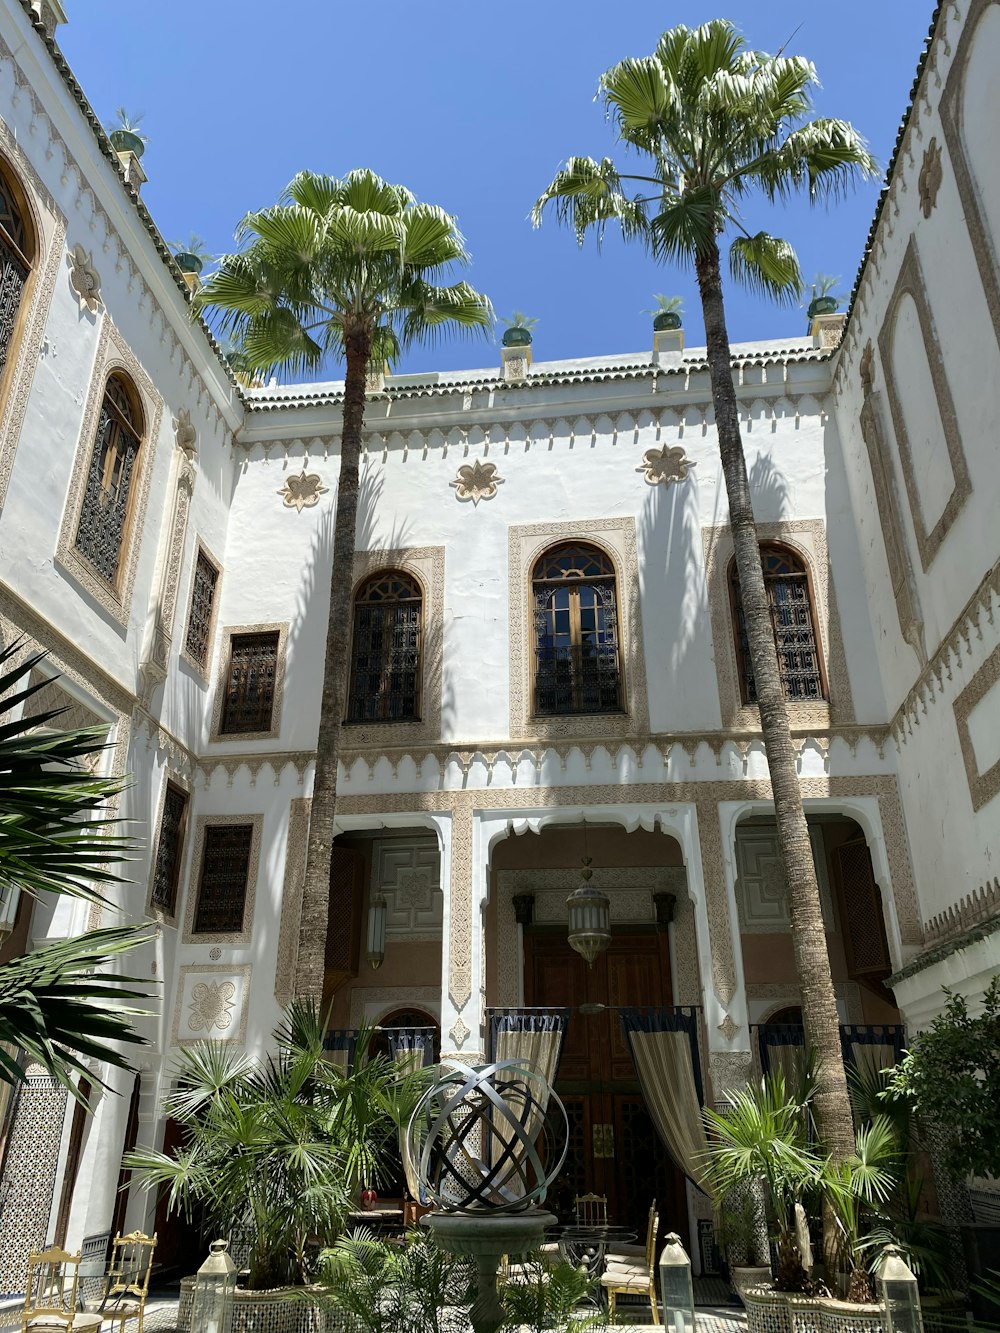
(375, 951)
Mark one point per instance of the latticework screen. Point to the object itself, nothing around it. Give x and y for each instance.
(225, 869)
(253, 670)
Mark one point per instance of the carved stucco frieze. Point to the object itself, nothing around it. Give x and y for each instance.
(153, 667)
(666, 464)
(302, 490)
(930, 177)
(49, 225)
(461, 906)
(84, 278)
(477, 481)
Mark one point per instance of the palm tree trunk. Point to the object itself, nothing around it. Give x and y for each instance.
(316, 904)
(832, 1106)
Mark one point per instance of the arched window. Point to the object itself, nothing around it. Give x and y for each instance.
(111, 479)
(793, 616)
(386, 649)
(17, 253)
(575, 620)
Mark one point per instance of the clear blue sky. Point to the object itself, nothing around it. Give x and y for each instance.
(472, 106)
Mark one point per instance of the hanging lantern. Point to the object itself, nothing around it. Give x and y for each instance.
(375, 951)
(676, 1287)
(589, 918)
(214, 1285)
(898, 1289)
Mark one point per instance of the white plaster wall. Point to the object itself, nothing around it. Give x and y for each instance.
(48, 443)
(568, 471)
(952, 846)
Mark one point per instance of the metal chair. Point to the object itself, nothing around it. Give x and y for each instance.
(591, 1210)
(628, 1277)
(50, 1298)
(128, 1278)
(633, 1253)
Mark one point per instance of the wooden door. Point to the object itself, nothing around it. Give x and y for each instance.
(613, 1147)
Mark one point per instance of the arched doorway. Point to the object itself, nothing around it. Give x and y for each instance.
(614, 1149)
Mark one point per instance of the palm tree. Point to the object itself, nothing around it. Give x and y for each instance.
(712, 122)
(349, 268)
(60, 1004)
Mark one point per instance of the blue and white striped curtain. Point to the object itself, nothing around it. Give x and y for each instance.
(341, 1045)
(664, 1046)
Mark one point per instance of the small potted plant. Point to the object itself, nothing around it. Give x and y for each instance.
(518, 330)
(190, 255)
(823, 302)
(125, 135)
(668, 313)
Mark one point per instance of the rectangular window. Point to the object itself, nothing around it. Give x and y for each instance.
(169, 849)
(197, 641)
(222, 887)
(248, 704)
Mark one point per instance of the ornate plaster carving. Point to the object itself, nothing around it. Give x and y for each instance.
(459, 1032)
(426, 563)
(666, 464)
(84, 278)
(984, 243)
(706, 795)
(910, 282)
(729, 1071)
(291, 898)
(373, 1003)
(477, 481)
(900, 569)
(222, 675)
(983, 786)
(460, 906)
(244, 935)
(113, 354)
(211, 1006)
(212, 1002)
(407, 873)
(525, 544)
(185, 434)
(302, 490)
(929, 180)
(153, 668)
(728, 1028)
(49, 225)
(807, 536)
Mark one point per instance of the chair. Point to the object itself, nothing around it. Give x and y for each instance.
(633, 1253)
(50, 1298)
(128, 1278)
(591, 1210)
(629, 1277)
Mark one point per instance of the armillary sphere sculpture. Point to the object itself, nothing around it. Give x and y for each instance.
(487, 1141)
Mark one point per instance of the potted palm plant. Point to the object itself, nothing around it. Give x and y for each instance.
(824, 301)
(518, 330)
(274, 1152)
(668, 312)
(125, 134)
(190, 256)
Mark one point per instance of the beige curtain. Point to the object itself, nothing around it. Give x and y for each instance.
(534, 1041)
(870, 1057)
(791, 1061)
(666, 1075)
(408, 1062)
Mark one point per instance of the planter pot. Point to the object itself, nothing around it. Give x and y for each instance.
(187, 262)
(666, 319)
(845, 1317)
(259, 1312)
(767, 1310)
(770, 1311)
(124, 141)
(516, 337)
(822, 305)
(745, 1276)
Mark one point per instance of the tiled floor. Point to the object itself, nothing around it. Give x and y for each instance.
(161, 1317)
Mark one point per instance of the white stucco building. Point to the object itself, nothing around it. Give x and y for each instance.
(547, 553)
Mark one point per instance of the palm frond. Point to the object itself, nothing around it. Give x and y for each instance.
(687, 226)
(766, 265)
(62, 1006)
